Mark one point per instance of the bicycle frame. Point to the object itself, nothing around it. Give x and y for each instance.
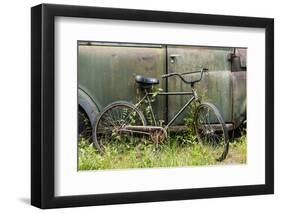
(193, 95)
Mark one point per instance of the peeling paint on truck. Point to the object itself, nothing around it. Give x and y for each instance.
(106, 72)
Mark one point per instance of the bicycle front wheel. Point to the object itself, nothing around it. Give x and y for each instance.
(211, 130)
(108, 123)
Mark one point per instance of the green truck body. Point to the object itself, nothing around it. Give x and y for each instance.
(106, 73)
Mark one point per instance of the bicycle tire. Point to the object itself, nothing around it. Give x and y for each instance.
(210, 132)
(105, 111)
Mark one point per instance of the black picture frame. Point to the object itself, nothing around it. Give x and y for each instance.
(43, 102)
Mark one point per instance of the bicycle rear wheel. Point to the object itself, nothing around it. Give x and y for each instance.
(211, 130)
(107, 125)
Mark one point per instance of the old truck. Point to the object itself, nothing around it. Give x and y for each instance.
(106, 73)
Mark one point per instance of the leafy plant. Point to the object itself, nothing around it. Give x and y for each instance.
(146, 108)
(145, 155)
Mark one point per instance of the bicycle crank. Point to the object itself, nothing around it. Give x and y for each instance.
(157, 134)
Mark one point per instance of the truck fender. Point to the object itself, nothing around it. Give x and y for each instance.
(88, 105)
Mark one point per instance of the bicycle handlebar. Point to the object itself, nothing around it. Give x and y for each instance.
(180, 75)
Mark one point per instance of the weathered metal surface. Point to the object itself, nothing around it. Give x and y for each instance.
(107, 73)
(239, 60)
(239, 86)
(190, 58)
(157, 133)
(242, 54)
(214, 87)
(180, 128)
(216, 83)
(239, 95)
(88, 105)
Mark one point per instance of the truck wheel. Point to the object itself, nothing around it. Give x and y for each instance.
(84, 125)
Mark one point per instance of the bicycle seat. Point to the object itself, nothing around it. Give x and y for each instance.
(145, 81)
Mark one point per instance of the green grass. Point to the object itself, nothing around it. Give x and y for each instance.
(175, 151)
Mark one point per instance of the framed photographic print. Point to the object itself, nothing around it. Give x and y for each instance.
(139, 106)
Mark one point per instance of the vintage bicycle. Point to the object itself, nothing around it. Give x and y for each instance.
(121, 118)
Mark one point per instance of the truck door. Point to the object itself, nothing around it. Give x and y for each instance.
(215, 85)
(107, 71)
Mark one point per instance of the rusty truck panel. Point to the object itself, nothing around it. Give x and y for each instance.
(239, 102)
(106, 72)
(215, 85)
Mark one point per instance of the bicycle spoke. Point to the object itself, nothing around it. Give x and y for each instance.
(211, 131)
(112, 120)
